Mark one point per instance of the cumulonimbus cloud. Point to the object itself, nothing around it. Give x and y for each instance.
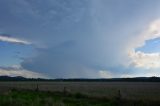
(13, 40)
(141, 59)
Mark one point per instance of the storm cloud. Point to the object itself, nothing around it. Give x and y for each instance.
(80, 38)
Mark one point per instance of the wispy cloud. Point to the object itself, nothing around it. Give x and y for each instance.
(13, 40)
(19, 71)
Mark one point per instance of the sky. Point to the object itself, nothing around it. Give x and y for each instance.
(80, 38)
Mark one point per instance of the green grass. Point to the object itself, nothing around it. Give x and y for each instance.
(32, 98)
(65, 97)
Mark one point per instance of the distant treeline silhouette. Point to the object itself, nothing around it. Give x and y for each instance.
(136, 79)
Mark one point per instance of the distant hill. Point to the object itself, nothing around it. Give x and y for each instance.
(17, 78)
(135, 79)
(8, 78)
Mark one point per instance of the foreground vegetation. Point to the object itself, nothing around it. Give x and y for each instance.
(41, 98)
(43, 93)
(129, 90)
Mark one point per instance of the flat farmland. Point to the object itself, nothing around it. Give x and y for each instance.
(127, 90)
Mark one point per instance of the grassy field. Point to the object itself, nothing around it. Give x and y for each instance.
(80, 93)
(39, 98)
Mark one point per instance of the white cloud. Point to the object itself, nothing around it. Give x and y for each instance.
(13, 40)
(18, 71)
(105, 74)
(151, 32)
(111, 74)
(145, 60)
(141, 59)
